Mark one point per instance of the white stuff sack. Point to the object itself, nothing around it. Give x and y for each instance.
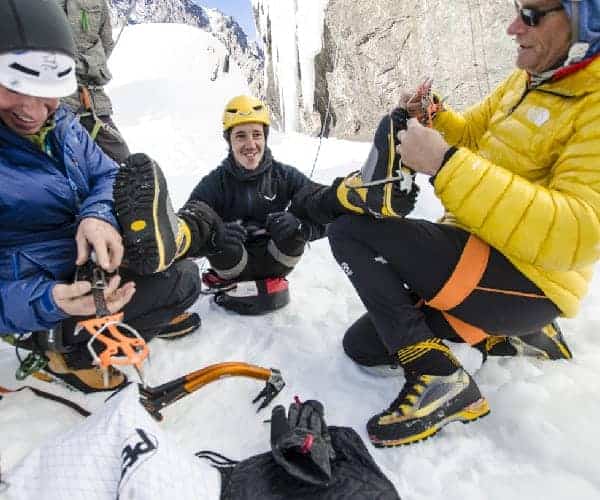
(120, 452)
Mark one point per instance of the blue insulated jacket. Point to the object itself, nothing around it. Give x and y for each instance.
(42, 200)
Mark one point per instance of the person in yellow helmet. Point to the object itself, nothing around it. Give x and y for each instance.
(250, 235)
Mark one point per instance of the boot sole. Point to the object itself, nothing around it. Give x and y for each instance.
(554, 351)
(73, 383)
(474, 411)
(140, 198)
(179, 334)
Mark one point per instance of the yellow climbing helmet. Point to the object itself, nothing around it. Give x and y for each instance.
(245, 109)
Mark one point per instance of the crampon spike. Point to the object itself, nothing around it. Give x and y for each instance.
(120, 349)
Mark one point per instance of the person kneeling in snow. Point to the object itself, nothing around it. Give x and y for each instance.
(519, 177)
(251, 234)
(56, 194)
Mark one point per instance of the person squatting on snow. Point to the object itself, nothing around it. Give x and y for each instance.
(252, 235)
(519, 177)
(90, 22)
(56, 193)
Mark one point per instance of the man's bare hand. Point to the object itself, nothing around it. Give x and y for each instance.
(412, 102)
(76, 300)
(101, 237)
(421, 148)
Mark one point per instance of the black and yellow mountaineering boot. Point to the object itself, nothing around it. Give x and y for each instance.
(153, 235)
(437, 391)
(547, 343)
(383, 187)
(180, 326)
(73, 366)
(82, 377)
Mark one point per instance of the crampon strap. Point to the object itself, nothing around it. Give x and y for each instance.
(107, 329)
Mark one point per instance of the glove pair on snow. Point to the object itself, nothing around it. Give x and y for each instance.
(300, 442)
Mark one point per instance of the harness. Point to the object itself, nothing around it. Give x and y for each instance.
(463, 281)
(87, 109)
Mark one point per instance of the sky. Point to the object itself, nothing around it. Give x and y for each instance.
(240, 10)
(541, 440)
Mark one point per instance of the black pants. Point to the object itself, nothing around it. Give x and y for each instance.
(158, 299)
(393, 263)
(258, 259)
(109, 139)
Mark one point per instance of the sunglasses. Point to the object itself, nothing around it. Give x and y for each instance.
(531, 16)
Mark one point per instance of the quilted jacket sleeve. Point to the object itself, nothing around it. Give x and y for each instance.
(101, 173)
(466, 129)
(555, 226)
(27, 305)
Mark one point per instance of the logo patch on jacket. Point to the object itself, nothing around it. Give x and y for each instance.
(539, 116)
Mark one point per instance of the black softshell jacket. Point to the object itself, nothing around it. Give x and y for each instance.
(237, 194)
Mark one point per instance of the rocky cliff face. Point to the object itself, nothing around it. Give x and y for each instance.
(248, 56)
(372, 50)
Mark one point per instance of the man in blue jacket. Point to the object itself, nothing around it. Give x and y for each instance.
(56, 208)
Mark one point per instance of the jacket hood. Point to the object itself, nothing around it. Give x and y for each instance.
(589, 23)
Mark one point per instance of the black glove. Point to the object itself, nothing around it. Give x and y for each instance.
(301, 443)
(227, 234)
(282, 225)
(202, 221)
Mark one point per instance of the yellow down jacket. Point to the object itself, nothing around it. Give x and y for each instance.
(526, 178)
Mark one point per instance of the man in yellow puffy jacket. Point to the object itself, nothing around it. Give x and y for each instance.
(519, 177)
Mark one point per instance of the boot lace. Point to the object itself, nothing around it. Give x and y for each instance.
(414, 386)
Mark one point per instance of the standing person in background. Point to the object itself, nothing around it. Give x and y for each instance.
(90, 22)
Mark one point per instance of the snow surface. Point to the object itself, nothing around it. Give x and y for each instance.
(541, 439)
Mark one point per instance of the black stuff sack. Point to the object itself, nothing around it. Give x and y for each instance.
(354, 475)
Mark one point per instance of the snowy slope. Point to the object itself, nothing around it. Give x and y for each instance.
(541, 439)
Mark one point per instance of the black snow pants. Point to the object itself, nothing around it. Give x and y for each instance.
(157, 300)
(419, 280)
(258, 259)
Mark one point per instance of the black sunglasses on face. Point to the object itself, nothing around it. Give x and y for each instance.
(531, 16)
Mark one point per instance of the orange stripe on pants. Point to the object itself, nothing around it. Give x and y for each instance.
(466, 276)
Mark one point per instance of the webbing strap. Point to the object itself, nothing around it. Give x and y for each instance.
(52, 397)
(98, 124)
(465, 277)
(470, 334)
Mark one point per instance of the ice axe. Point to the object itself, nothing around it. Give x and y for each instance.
(154, 399)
